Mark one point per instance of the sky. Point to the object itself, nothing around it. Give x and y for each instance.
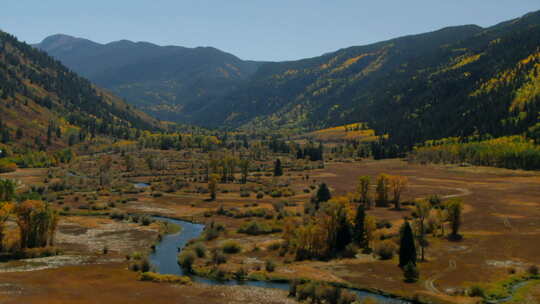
(272, 30)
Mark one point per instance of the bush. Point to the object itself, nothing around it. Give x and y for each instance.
(533, 270)
(260, 195)
(6, 167)
(186, 259)
(476, 291)
(350, 251)
(240, 274)
(218, 257)
(385, 249)
(231, 247)
(270, 266)
(145, 221)
(410, 273)
(274, 246)
(164, 278)
(256, 228)
(139, 263)
(200, 250)
(118, 216)
(383, 224)
(210, 233)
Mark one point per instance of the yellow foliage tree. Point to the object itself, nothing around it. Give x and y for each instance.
(398, 184)
(6, 209)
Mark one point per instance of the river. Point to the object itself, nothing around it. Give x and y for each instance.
(164, 259)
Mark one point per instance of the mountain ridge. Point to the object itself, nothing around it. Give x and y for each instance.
(59, 107)
(404, 87)
(170, 82)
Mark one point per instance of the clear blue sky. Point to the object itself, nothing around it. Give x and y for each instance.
(251, 29)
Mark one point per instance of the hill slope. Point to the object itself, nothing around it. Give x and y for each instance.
(453, 82)
(43, 104)
(170, 82)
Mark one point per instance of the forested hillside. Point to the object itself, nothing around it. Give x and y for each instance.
(170, 82)
(457, 81)
(44, 105)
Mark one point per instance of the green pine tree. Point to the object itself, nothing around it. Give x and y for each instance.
(359, 231)
(407, 248)
(278, 170)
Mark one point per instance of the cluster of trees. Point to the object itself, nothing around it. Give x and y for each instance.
(37, 223)
(179, 141)
(386, 185)
(226, 167)
(7, 190)
(36, 220)
(37, 159)
(428, 215)
(321, 293)
(329, 231)
(514, 152)
(311, 152)
(352, 149)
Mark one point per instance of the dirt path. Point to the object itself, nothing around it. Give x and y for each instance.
(462, 192)
(430, 283)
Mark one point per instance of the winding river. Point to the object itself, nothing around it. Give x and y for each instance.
(164, 259)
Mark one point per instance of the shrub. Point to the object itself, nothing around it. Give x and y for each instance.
(218, 274)
(385, 249)
(139, 263)
(218, 257)
(270, 266)
(231, 247)
(200, 250)
(410, 273)
(210, 233)
(256, 228)
(384, 224)
(476, 291)
(6, 167)
(260, 195)
(186, 260)
(240, 274)
(274, 246)
(533, 270)
(118, 216)
(164, 278)
(145, 221)
(350, 251)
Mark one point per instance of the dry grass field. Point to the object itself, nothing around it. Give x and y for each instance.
(501, 229)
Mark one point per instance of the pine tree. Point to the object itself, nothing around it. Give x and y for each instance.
(359, 231)
(323, 194)
(212, 186)
(343, 237)
(407, 248)
(410, 273)
(278, 171)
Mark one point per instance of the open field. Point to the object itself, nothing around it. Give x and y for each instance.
(501, 228)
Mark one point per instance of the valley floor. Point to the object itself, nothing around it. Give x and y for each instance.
(501, 229)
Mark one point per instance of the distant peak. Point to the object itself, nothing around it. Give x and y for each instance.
(59, 38)
(61, 41)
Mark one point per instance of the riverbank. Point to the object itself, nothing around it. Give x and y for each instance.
(164, 259)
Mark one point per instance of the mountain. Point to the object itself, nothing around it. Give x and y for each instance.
(457, 81)
(43, 104)
(171, 82)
